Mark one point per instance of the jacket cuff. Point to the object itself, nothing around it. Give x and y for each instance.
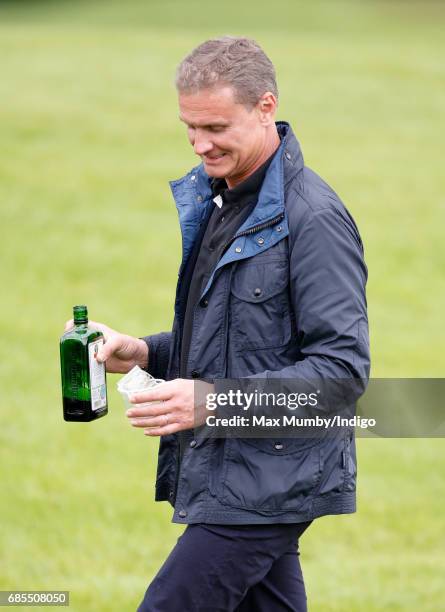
(158, 354)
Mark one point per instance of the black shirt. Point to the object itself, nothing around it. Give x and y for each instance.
(218, 229)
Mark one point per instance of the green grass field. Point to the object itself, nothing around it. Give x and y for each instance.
(89, 137)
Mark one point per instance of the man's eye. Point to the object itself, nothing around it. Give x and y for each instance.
(216, 128)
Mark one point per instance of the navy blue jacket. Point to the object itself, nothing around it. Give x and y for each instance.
(286, 300)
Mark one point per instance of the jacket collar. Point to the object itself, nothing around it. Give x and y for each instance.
(193, 193)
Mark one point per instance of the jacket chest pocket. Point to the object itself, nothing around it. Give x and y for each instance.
(260, 309)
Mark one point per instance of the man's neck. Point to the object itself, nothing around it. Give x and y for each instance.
(272, 145)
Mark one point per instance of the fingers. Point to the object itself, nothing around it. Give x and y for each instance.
(156, 421)
(157, 417)
(162, 392)
(151, 410)
(109, 347)
(172, 410)
(101, 327)
(165, 430)
(68, 325)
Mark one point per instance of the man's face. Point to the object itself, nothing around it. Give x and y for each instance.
(229, 138)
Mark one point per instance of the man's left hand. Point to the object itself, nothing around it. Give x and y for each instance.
(176, 407)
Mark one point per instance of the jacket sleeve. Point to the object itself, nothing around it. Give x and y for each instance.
(327, 290)
(158, 353)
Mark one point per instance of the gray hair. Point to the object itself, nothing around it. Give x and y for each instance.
(236, 62)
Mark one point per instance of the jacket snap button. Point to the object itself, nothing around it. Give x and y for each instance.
(195, 374)
(193, 443)
(193, 177)
(279, 446)
(171, 494)
(199, 198)
(260, 240)
(182, 513)
(257, 292)
(279, 228)
(238, 250)
(288, 156)
(204, 303)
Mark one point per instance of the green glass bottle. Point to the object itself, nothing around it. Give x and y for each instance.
(84, 385)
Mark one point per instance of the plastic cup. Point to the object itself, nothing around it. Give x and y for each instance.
(137, 381)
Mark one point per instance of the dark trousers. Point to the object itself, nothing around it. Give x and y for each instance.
(231, 568)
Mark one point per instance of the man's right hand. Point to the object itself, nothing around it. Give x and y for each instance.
(120, 352)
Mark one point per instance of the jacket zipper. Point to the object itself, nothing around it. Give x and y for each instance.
(256, 228)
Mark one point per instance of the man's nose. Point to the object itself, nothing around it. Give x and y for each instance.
(201, 144)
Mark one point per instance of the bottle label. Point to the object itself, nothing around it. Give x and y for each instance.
(97, 377)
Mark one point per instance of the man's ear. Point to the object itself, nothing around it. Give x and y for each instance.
(266, 107)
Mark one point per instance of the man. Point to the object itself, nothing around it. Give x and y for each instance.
(271, 285)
